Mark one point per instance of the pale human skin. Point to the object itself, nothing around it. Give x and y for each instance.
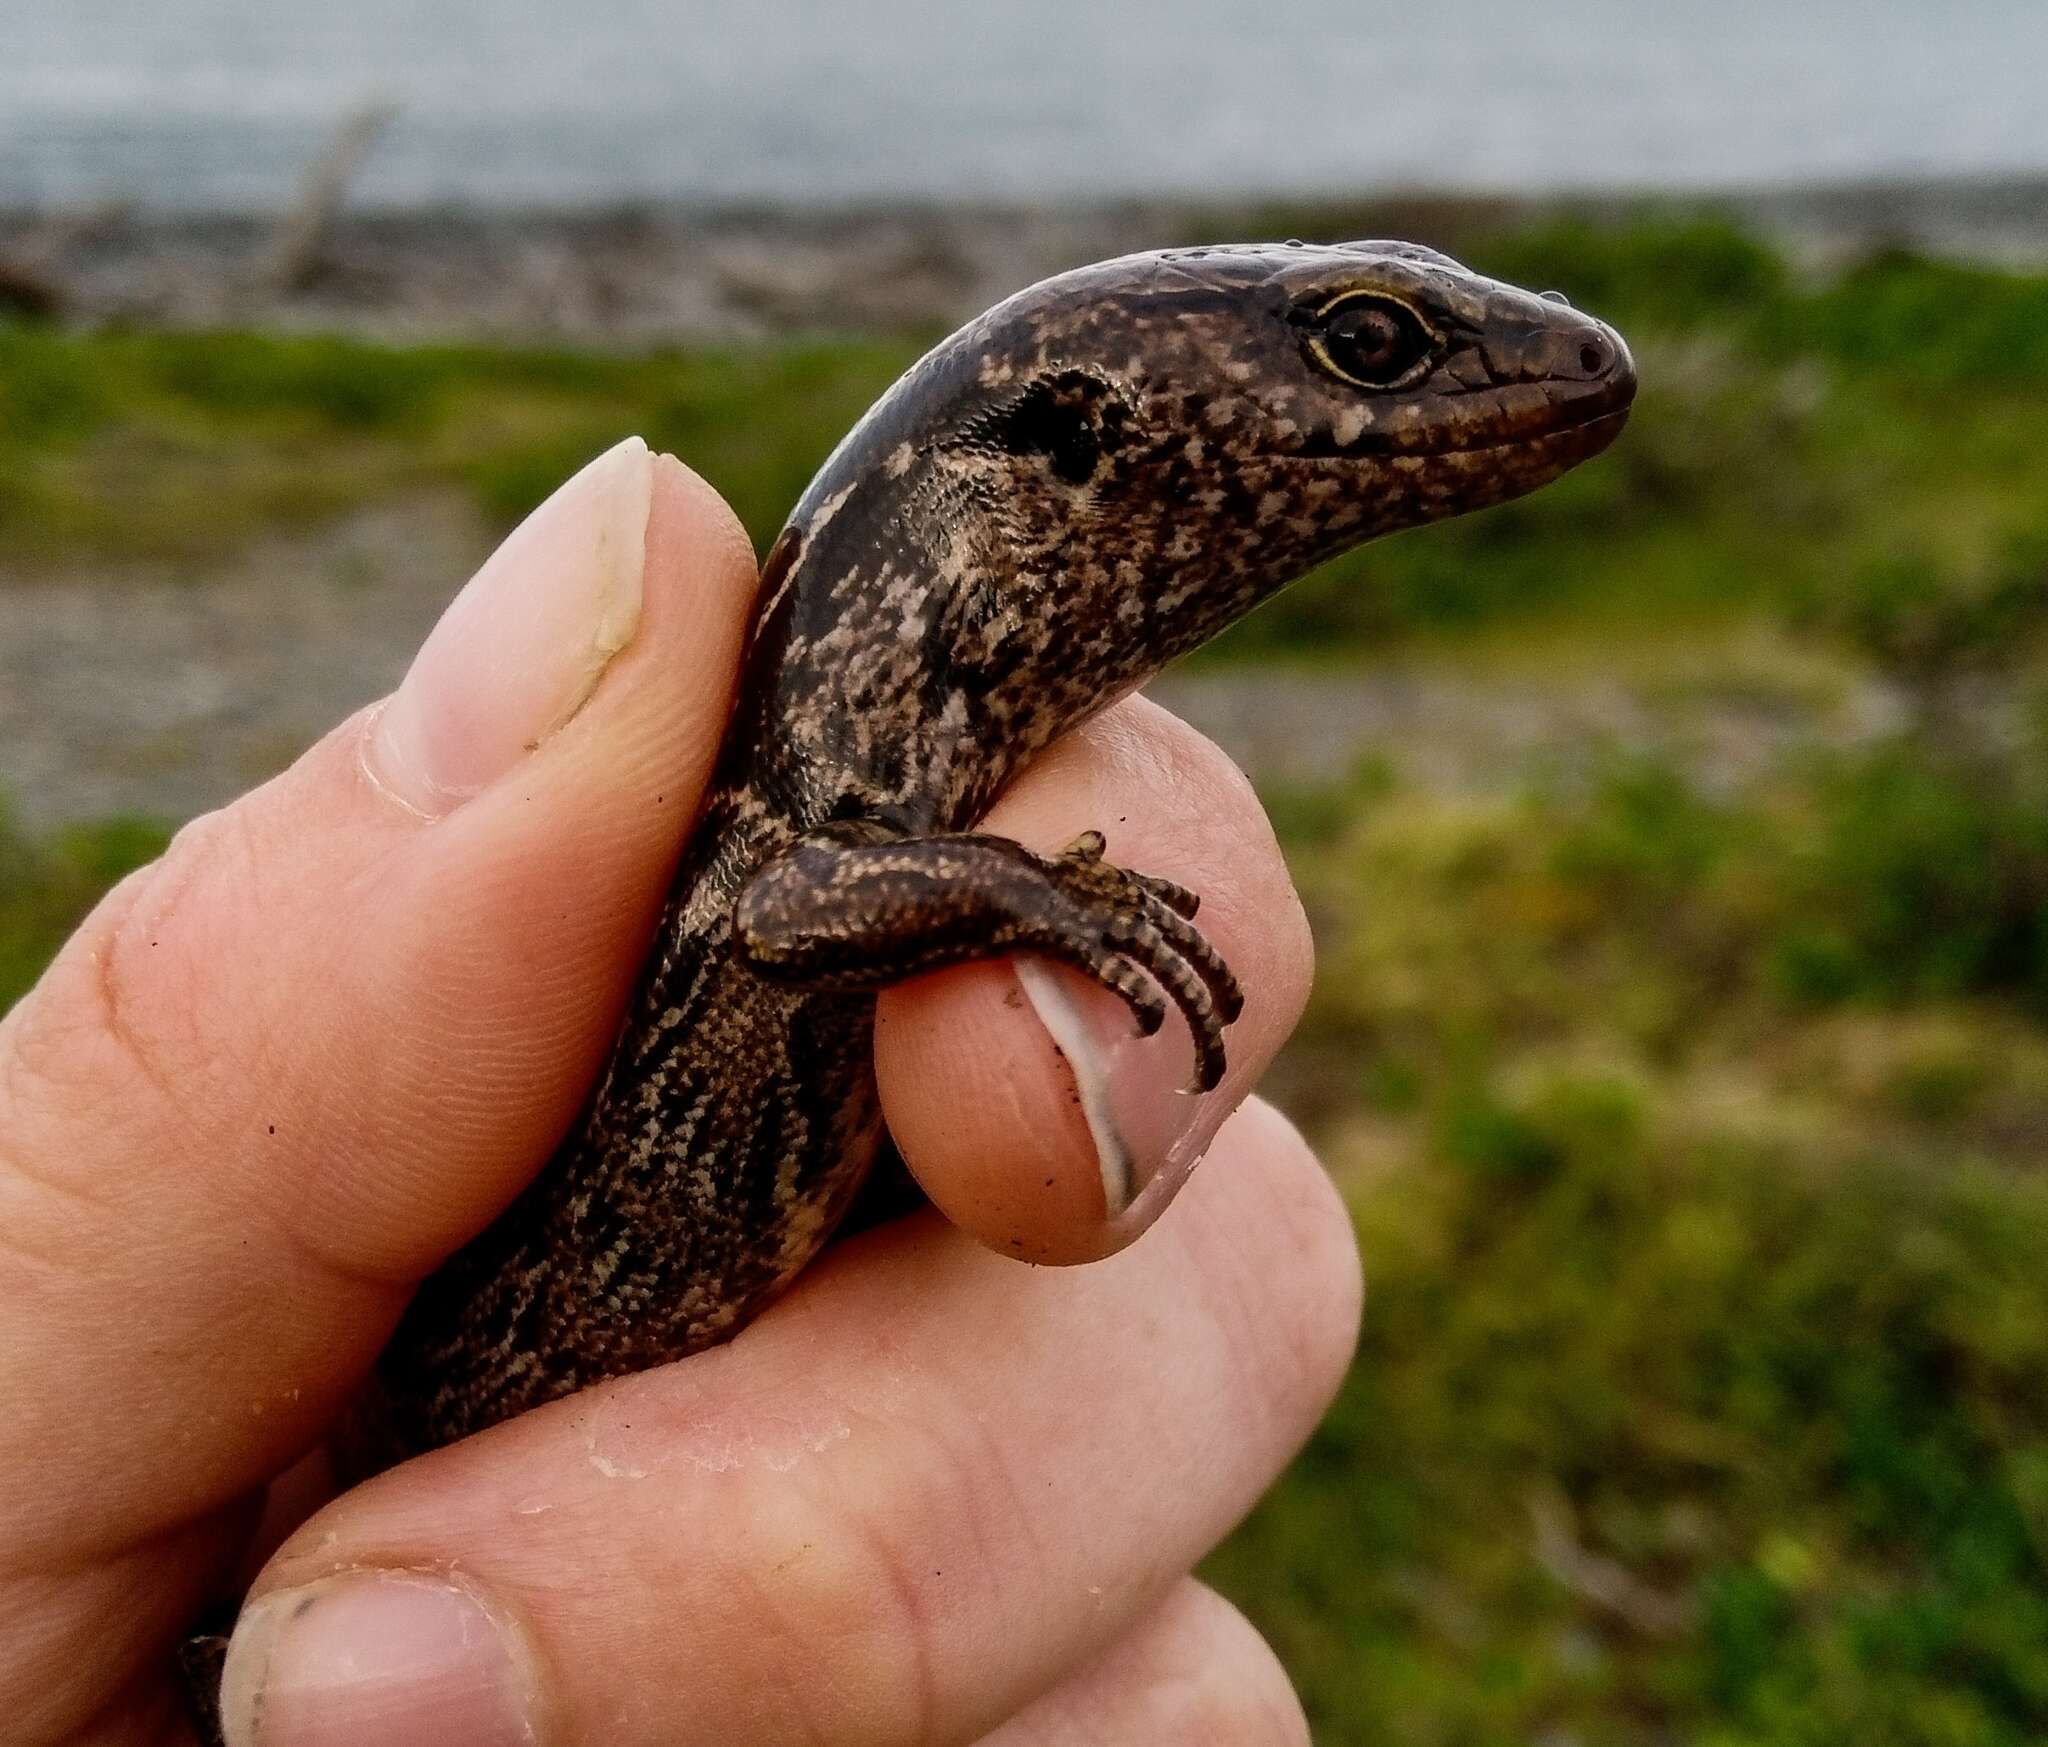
(932, 1496)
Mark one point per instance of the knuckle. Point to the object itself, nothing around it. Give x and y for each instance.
(868, 1578)
(52, 1044)
(1323, 1244)
(101, 1032)
(80, 1087)
(187, 922)
(131, 1025)
(1292, 1287)
(831, 1589)
(1290, 968)
(1239, 1695)
(1197, 1673)
(1145, 747)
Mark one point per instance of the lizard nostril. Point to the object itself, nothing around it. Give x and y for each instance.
(1592, 358)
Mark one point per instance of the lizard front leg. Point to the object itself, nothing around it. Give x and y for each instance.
(854, 906)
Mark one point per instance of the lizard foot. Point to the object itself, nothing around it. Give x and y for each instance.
(1132, 921)
(848, 907)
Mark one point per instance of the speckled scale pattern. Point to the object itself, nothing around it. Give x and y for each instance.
(1090, 479)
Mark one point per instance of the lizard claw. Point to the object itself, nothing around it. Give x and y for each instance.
(1141, 920)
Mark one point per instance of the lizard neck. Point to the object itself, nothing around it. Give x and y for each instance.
(1107, 470)
(882, 678)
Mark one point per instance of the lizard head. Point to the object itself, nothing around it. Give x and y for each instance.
(1111, 466)
(1162, 440)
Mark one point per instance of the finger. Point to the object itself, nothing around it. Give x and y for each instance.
(912, 1497)
(1030, 1111)
(1194, 1672)
(279, 1074)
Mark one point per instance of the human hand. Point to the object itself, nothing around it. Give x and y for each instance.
(932, 1495)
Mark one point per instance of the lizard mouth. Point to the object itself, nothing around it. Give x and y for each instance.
(1580, 426)
(1585, 434)
(1588, 399)
(1599, 430)
(1571, 419)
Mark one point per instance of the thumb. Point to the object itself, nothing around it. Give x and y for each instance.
(279, 1074)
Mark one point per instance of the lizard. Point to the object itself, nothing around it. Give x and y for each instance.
(1085, 482)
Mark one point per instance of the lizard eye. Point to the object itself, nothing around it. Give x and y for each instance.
(1370, 340)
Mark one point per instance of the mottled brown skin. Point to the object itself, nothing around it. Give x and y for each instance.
(1094, 477)
(1087, 481)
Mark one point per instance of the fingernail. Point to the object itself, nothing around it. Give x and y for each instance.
(522, 647)
(375, 1657)
(1149, 1131)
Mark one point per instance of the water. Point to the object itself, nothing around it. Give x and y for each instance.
(217, 103)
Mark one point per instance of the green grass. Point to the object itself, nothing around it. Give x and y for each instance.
(182, 447)
(1696, 1148)
(1799, 1409)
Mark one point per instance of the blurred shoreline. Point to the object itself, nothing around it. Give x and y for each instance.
(639, 274)
(219, 536)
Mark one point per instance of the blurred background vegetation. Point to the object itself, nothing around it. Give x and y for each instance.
(1692, 1096)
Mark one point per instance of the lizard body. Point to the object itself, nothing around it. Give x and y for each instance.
(1083, 483)
(1090, 479)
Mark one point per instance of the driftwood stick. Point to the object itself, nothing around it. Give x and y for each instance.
(32, 280)
(293, 257)
(1601, 1583)
(27, 288)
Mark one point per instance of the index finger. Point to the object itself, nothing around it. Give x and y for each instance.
(907, 1500)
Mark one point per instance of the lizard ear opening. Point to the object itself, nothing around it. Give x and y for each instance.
(1072, 419)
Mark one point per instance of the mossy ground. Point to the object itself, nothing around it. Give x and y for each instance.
(1696, 1146)
(1697, 1131)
